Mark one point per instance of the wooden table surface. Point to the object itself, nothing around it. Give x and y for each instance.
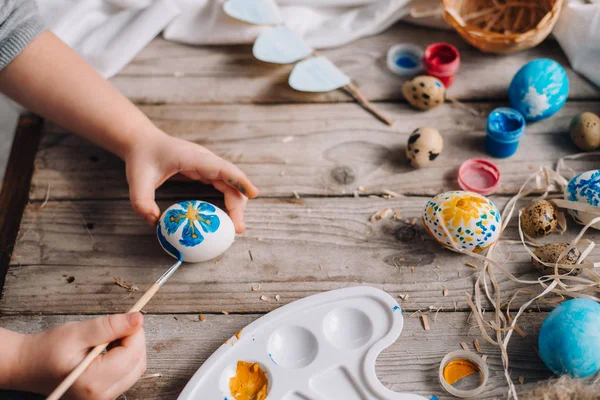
(78, 222)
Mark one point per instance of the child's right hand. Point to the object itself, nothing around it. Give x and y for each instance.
(46, 358)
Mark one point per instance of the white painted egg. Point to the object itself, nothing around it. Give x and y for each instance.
(472, 220)
(195, 231)
(585, 188)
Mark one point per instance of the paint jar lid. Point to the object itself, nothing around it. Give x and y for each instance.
(479, 176)
(405, 59)
(468, 356)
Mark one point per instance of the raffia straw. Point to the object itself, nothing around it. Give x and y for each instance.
(558, 284)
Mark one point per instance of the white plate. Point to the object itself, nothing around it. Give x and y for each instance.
(322, 347)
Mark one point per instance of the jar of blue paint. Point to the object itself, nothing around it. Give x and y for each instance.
(505, 126)
(405, 59)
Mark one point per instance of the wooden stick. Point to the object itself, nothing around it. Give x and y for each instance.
(96, 351)
(366, 104)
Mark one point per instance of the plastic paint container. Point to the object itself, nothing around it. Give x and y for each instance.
(405, 59)
(505, 126)
(442, 60)
(479, 176)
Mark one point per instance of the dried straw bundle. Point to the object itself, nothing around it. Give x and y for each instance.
(498, 328)
(502, 26)
(566, 388)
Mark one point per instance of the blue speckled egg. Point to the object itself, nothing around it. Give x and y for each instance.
(585, 188)
(539, 89)
(569, 341)
(472, 221)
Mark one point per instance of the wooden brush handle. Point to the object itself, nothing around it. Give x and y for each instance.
(96, 351)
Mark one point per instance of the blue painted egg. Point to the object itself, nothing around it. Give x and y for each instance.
(472, 221)
(569, 341)
(539, 89)
(195, 231)
(585, 188)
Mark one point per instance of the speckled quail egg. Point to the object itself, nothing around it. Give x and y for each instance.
(539, 218)
(549, 254)
(424, 92)
(585, 131)
(424, 146)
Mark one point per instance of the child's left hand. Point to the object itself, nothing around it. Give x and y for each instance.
(150, 162)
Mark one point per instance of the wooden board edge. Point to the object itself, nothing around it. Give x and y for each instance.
(15, 186)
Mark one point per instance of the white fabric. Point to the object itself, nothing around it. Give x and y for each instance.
(578, 32)
(108, 34)
(322, 23)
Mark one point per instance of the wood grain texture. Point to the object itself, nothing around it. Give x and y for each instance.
(15, 185)
(311, 149)
(166, 72)
(178, 344)
(292, 248)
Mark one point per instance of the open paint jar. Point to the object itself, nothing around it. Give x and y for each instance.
(405, 59)
(463, 374)
(442, 60)
(505, 126)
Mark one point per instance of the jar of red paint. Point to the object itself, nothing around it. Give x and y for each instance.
(441, 60)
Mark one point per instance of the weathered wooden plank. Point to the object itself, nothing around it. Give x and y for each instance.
(292, 248)
(286, 148)
(178, 344)
(175, 73)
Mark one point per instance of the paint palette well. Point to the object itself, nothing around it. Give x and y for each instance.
(322, 347)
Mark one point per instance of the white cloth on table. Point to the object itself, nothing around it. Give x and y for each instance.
(104, 33)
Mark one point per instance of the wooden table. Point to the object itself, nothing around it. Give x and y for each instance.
(78, 222)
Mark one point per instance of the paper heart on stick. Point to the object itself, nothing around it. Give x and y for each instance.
(317, 74)
(281, 46)
(258, 12)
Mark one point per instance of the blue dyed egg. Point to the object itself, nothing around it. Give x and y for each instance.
(195, 231)
(539, 89)
(585, 188)
(569, 341)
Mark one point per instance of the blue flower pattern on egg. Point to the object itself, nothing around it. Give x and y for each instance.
(584, 188)
(191, 214)
(539, 89)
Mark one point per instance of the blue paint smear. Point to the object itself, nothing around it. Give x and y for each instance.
(271, 357)
(169, 248)
(438, 84)
(505, 127)
(406, 60)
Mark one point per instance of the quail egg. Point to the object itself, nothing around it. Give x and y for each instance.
(539, 218)
(424, 92)
(549, 254)
(424, 146)
(585, 131)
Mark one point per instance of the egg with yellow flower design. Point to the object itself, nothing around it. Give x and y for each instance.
(471, 221)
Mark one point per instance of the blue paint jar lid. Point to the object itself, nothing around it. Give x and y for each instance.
(505, 125)
(405, 59)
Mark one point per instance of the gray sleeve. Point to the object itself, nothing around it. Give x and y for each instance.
(20, 23)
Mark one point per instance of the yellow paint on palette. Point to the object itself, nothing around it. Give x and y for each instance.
(249, 383)
(459, 369)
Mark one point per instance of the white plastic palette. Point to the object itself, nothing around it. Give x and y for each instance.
(323, 347)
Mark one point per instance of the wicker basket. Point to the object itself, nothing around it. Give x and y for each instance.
(502, 26)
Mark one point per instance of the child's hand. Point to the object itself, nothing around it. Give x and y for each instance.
(160, 156)
(48, 357)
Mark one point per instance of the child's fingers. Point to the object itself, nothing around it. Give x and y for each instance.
(110, 328)
(235, 202)
(141, 193)
(118, 369)
(217, 169)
